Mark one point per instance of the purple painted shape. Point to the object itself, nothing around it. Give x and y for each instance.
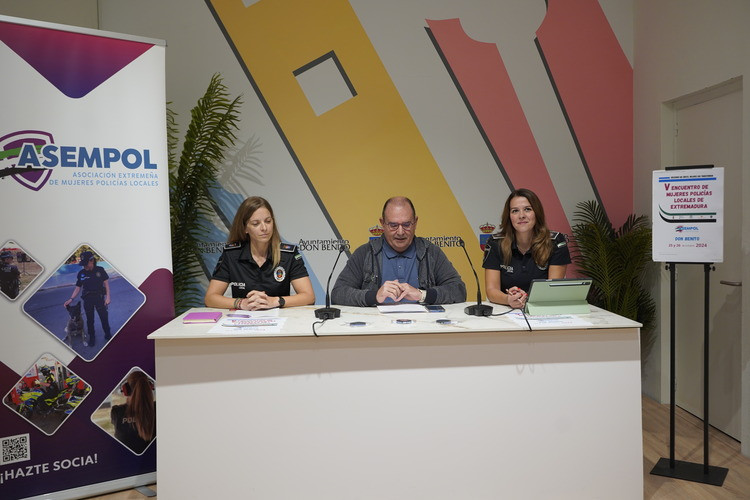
(75, 63)
(36, 179)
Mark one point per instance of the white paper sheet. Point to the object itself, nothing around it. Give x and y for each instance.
(401, 308)
(546, 321)
(267, 321)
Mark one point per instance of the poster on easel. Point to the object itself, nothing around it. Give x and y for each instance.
(688, 215)
(86, 261)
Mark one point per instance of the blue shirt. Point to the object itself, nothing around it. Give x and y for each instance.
(400, 266)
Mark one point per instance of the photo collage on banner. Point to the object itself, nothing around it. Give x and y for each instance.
(85, 262)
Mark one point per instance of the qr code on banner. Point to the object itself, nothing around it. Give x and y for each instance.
(15, 449)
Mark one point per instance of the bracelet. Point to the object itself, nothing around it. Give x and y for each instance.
(237, 303)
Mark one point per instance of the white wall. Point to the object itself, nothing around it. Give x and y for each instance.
(83, 13)
(680, 48)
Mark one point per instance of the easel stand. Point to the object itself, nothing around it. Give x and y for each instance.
(670, 467)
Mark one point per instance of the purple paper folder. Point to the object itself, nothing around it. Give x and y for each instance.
(202, 317)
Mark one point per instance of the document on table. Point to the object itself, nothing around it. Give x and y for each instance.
(549, 320)
(241, 314)
(267, 321)
(410, 307)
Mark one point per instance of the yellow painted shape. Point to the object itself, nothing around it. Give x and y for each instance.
(361, 152)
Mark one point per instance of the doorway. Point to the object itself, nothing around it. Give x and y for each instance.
(708, 130)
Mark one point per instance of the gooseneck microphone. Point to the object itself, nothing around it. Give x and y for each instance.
(329, 312)
(477, 309)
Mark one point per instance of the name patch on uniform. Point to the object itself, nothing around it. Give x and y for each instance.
(279, 274)
(507, 269)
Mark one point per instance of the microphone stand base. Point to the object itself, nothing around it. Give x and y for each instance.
(478, 310)
(327, 313)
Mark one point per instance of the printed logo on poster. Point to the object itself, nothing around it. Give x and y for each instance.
(375, 231)
(485, 234)
(10, 146)
(32, 159)
(322, 245)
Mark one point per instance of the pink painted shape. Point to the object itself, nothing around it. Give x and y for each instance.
(595, 82)
(482, 75)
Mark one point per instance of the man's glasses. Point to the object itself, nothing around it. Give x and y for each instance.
(393, 226)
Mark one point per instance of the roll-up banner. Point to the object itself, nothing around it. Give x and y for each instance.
(86, 263)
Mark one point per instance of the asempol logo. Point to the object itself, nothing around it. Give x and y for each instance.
(682, 228)
(30, 157)
(10, 146)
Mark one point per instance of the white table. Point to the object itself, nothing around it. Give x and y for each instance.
(479, 409)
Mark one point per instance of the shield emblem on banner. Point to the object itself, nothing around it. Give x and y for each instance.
(11, 144)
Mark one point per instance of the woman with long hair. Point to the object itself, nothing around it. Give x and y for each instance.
(523, 250)
(135, 421)
(256, 264)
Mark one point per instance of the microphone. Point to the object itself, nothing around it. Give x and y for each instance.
(478, 309)
(329, 312)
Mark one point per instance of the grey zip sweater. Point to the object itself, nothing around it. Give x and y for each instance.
(358, 283)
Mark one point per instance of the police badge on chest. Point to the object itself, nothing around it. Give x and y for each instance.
(237, 286)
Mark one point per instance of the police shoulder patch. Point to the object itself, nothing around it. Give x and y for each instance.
(487, 246)
(486, 251)
(288, 247)
(560, 239)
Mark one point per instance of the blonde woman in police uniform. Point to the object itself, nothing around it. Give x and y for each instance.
(524, 250)
(258, 267)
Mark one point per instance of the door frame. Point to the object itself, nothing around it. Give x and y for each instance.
(669, 111)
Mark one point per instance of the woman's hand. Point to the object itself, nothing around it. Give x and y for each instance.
(516, 297)
(257, 300)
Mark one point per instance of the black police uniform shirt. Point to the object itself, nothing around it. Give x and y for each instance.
(126, 431)
(237, 267)
(522, 268)
(92, 282)
(9, 279)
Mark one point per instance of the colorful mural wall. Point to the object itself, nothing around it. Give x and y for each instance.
(452, 103)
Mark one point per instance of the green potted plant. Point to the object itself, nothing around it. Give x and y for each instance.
(210, 134)
(619, 261)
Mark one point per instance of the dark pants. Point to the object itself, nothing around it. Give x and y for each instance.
(10, 288)
(93, 301)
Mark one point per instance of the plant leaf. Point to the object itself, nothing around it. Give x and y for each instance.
(210, 134)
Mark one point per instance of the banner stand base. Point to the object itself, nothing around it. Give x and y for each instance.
(145, 491)
(691, 472)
